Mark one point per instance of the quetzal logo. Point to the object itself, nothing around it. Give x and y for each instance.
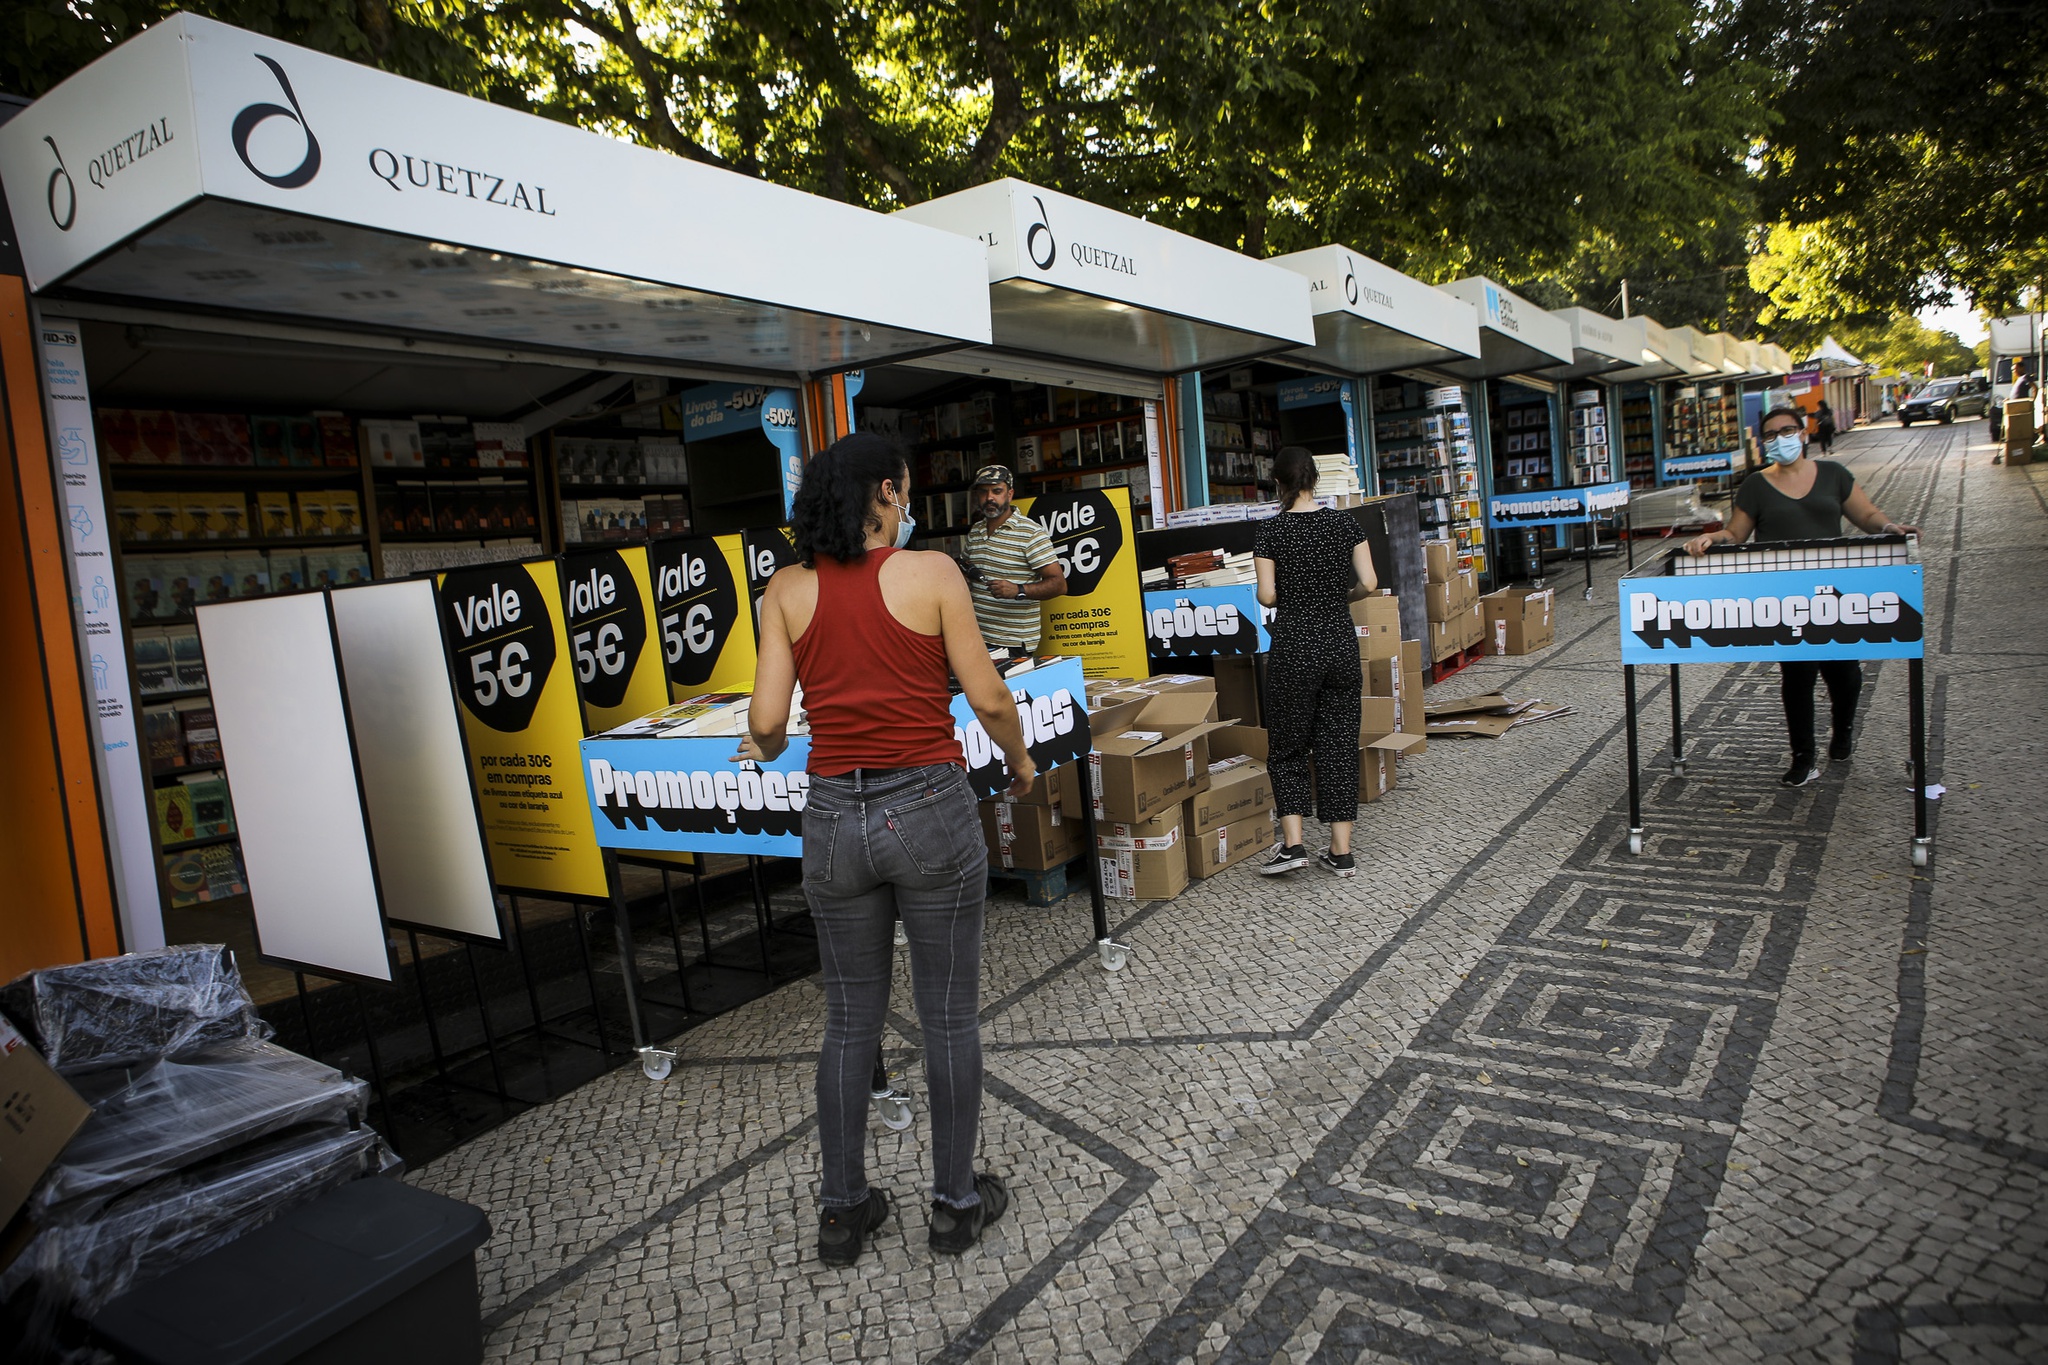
(1040, 234)
(250, 119)
(1350, 280)
(60, 179)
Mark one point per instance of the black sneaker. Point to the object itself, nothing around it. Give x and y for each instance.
(955, 1230)
(843, 1233)
(1842, 744)
(1284, 859)
(1802, 771)
(1336, 864)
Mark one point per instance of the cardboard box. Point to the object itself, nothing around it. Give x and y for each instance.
(1378, 716)
(2019, 430)
(1155, 757)
(1519, 620)
(1394, 680)
(1378, 621)
(1213, 850)
(1439, 559)
(1237, 688)
(1060, 787)
(1465, 585)
(1443, 640)
(1376, 758)
(1239, 787)
(1143, 860)
(39, 1113)
(1471, 626)
(1440, 600)
(1036, 837)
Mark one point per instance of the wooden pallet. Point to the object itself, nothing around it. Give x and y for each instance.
(1049, 887)
(1453, 663)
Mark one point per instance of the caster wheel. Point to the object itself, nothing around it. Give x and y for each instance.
(894, 1111)
(1678, 769)
(902, 939)
(1919, 855)
(656, 1066)
(1635, 842)
(1587, 595)
(1113, 955)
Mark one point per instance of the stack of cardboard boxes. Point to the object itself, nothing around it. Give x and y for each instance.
(1146, 777)
(1390, 714)
(1519, 620)
(1453, 601)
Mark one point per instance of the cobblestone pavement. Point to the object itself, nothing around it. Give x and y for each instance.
(1511, 1094)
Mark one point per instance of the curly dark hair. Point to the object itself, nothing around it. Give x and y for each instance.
(835, 505)
(1294, 471)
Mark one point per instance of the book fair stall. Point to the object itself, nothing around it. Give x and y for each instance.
(1850, 597)
(325, 350)
(1641, 392)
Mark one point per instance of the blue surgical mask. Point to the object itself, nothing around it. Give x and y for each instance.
(1784, 449)
(906, 525)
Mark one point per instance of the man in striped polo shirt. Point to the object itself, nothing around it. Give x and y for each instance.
(1015, 568)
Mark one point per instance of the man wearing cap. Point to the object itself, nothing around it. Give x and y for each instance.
(1015, 568)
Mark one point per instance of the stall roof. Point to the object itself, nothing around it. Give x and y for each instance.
(1668, 355)
(1372, 319)
(1703, 355)
(1515, 336)
(1602, 345)
(1070, 280)
(203, 166)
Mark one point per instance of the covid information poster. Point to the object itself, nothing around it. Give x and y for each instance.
(514, 672)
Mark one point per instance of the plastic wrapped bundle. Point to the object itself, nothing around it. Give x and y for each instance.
(78, 1266)
(117, 1011)
(157, 1119)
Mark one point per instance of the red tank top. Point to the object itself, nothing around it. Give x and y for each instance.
(875, 690)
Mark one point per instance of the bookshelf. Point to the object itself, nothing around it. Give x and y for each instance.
(1423, 439)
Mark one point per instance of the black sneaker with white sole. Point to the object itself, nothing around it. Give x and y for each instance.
(955, 1230)
(1842, 744)
(1337, 864)
(1802, 771)
(1285, 858)
(844, 1233)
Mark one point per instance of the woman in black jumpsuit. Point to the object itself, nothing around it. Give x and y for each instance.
(1310, 561)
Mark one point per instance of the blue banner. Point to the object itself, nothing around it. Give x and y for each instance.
(779, 423)
(1314, 391)
(1556, 506)
(721, 409)
(1678, 467)
(1866, 613)
(688, 796)
(1200, 621)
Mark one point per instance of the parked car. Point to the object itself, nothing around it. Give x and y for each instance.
(1944, 400)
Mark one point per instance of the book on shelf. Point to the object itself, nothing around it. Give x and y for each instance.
(225, 877)
(188, 664)
(185, 875)
(163, 737)
(198, 735)
(211, 812)
(174, 814)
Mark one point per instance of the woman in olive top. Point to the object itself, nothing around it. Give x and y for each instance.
(1795, 497)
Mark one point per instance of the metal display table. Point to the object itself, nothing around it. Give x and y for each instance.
(1857, 597)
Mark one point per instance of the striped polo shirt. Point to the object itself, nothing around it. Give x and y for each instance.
(1015, 552)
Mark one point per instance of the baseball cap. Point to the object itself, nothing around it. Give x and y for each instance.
(992, 473)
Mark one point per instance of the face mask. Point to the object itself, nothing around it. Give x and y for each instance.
(1783, 449)
(906, 525)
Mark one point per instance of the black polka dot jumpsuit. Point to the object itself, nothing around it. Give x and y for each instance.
(1313, 679)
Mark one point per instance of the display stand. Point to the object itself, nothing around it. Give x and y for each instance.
(1844, 598)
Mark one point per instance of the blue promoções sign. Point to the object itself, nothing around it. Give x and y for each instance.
(1698, 466)
(1185, 621)
(1555, 506)
(1858, 613)
(688, 796)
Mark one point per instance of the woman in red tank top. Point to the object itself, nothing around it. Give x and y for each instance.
(890, 827)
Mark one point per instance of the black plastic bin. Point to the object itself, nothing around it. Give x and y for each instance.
(374, 1271)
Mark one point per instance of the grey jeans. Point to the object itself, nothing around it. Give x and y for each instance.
(883, 844)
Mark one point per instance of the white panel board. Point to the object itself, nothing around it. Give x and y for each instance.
(423, 822)
(284, 738)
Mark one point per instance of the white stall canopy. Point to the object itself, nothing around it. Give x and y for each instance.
(1071, 281)
(1602, 345)
(205, 167)
(1666, 355)
(1372, 319)
(1515, 336)
(1705, 353)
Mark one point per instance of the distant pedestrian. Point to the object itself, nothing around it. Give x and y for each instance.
(871, 630)
(1795, 497)
(1824, 428)
(1310, 560)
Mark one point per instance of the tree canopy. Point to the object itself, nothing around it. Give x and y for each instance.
(1557, 145)
(1910, 160)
